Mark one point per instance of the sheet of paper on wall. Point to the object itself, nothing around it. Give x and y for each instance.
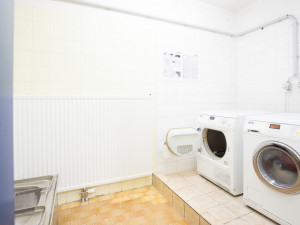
(172, 64)
(190, 66)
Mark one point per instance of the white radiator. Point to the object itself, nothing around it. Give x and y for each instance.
(88, 141)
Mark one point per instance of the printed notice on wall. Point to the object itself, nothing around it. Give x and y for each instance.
(190, 66)
(172, 64)
(177, 65)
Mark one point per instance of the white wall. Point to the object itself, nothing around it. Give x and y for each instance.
(65, 49)
(264, 58)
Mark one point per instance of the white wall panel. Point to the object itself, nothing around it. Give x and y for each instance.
(87, 141)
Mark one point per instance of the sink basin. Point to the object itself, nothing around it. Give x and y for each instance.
(32, 216)
(34, 200)
(27, 197)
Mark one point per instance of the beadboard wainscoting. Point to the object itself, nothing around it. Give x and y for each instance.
(88, 141)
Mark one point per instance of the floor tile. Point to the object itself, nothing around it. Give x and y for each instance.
(117, 219)
(255, 218)
(221, 196)
(176, 185)
(210, 201)
(140, 206)
(237, 221)
(202, 203)
(219, 215)
(237, 207)
(188, 193)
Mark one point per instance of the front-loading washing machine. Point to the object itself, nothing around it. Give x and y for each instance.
(272, 166)
(219, 158)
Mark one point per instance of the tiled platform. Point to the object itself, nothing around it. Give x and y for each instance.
(138, 206)
(202, 202)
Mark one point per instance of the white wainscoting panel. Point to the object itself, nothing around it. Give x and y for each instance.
(88, 141)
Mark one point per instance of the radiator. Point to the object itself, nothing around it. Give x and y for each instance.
(88, 141)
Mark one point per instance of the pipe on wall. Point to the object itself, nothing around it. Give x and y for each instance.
(94, 4)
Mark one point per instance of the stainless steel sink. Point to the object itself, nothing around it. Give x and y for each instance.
(27, 197)
(34, 200)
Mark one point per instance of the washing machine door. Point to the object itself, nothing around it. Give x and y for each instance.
(278, 166)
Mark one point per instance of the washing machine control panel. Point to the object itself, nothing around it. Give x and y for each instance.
(273, 129)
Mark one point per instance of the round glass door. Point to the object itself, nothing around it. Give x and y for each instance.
(277, 165)
(215, 142)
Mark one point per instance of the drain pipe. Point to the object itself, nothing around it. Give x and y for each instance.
(96, 4)
(288, 84)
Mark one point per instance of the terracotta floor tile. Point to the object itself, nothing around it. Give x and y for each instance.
(149, 223)
(136, 195)
(134, 221)
(82, 220)
(130, 202)
(64, 212)
(124, 210)
(98, 204)
(165, 205)
(151, 192)
(181, 222)
(141, 206)
(117, 219)
(159, 201)
(119, 199)
(156, 208)
(144, 205)
(112, 207)
(65, 223)
(159, 195)
(152, 218)
(70, 205)
(168, 211)
(89, 212)
(167, 220)
(147, 198)
(103, 222)
(151, 188)
(138, 213)
(106, 214)
(62, 219)
(76, 210)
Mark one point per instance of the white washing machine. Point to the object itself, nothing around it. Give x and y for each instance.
(220, 157)
(272, 166)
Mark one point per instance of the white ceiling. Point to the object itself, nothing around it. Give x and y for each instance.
(233, 5)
